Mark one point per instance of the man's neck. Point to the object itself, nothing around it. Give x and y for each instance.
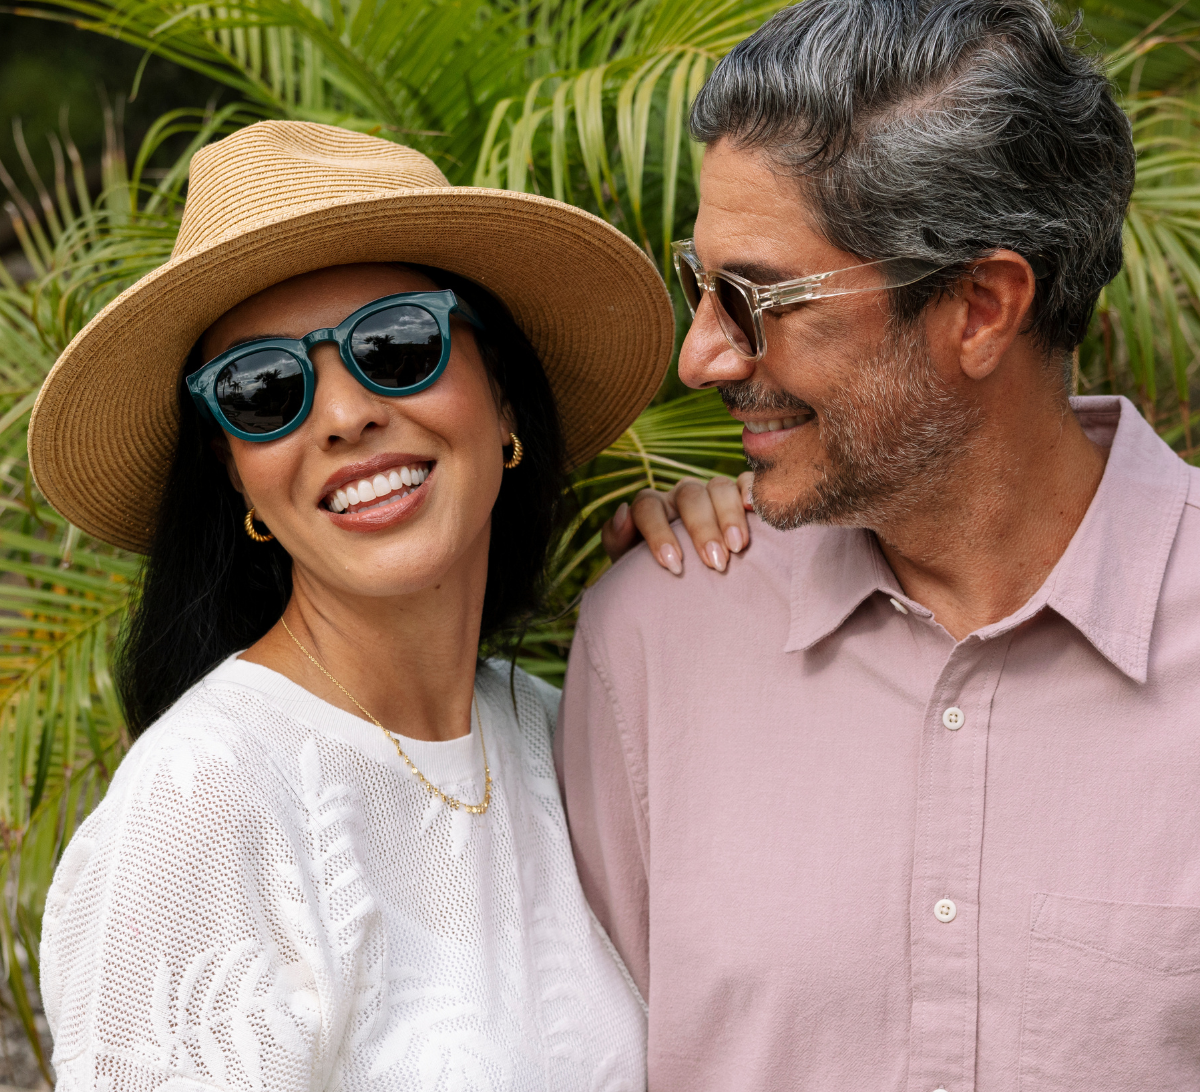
(976, 552)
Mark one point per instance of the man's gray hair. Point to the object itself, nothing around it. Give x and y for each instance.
(941, 130)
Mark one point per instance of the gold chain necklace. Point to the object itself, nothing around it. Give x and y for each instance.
(431, 788)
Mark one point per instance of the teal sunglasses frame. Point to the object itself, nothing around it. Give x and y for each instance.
(202, 383)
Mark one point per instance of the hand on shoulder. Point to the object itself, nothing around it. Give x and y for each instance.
(713, 514)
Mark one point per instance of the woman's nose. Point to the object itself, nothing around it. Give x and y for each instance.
(343, 409)
(706, 357)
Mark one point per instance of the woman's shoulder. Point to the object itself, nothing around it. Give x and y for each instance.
(195, 784)
(213, 751)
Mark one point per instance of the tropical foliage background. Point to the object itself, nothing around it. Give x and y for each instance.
(584, 100)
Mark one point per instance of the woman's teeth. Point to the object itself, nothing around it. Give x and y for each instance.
(772, 426)
(367, 491)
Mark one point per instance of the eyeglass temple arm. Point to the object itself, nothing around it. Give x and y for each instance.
(787, 292)
(816, 286)
(198, 399)
(465, 309)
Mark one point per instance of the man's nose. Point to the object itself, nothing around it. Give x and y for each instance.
(706, 357)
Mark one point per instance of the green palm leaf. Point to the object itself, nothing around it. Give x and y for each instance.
(1144, 339)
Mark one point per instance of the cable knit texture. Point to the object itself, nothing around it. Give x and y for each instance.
(268, 899)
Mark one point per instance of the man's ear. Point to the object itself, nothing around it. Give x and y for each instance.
(219, 445)
(997, 296)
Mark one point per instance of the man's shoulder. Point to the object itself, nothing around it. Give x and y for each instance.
(639, 595)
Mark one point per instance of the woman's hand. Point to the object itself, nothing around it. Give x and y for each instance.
(713, 513)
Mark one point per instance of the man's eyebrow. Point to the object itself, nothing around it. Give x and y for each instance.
(758, 273)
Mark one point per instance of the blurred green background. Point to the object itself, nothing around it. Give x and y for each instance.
(47, 68)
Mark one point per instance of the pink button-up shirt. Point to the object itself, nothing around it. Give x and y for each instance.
(839, 850)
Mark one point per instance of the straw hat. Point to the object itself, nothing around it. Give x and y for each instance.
(281, 198)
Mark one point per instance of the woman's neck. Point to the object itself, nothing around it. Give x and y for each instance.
(409, 660)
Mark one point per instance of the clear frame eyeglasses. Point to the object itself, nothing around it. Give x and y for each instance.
(740, 303)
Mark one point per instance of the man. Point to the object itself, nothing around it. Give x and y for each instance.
(908, 798)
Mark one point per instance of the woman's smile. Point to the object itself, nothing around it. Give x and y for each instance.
(377, 493)
(383, 488)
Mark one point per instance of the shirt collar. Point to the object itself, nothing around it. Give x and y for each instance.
(1106, 584)
(830, 579)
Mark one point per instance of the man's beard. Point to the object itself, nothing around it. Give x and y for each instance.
(891, 437)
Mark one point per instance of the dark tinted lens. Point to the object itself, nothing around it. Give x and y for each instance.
(689, 284)
(397, 347)
(261, 391)
(736, 317)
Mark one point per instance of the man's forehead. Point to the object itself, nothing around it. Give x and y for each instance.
(755, 221)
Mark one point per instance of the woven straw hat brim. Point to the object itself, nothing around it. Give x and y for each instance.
(104, 429)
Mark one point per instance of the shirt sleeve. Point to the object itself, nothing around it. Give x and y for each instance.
(181, 949)
(599, 753)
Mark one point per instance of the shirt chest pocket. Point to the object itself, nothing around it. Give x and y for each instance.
(1112, 997)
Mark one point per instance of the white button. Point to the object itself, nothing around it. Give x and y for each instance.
(954, 718)
(945, 910)
(897, 604)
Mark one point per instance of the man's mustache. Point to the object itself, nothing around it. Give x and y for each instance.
(744, 396)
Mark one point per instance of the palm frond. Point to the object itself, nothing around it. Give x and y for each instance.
(62, 599)
(1149, 45)
(1145, 338)
(585, 101)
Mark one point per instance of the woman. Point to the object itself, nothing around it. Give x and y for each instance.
(335, 856)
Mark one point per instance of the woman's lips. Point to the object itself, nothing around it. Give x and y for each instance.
(365, 492)
(394, 509)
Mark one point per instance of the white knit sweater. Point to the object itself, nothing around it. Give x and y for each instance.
(268, 899)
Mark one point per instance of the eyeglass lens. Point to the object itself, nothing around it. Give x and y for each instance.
(261, 391)
(397, 347)
(689, 285)
(736, 316)
(734, 312)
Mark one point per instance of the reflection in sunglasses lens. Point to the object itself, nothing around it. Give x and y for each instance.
(261, 391)
(397, 347)
(736, 316)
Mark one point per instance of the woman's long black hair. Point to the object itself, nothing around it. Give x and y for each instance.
(208, 590)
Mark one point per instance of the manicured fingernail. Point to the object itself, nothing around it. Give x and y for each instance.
(670, 558)
(715, 555)
(620, 516)
(733, 539)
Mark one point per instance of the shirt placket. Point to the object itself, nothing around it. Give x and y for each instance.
(944, 907)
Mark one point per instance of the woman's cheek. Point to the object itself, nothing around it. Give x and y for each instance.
(268, 472)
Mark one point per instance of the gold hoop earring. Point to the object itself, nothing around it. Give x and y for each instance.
(249, 525)
(518, 452)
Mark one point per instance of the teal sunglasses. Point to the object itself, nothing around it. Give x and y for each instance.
(263, 389)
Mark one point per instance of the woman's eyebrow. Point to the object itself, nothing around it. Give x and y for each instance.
(256, 337)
